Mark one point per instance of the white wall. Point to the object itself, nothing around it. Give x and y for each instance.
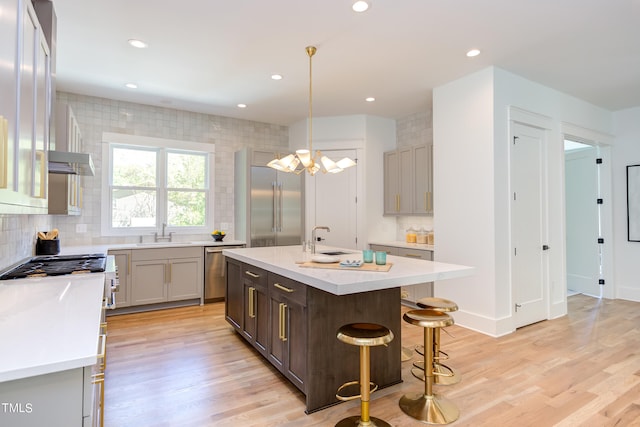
(370, 136)
(471, 176)
(626, 152)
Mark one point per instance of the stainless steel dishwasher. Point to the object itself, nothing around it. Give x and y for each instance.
(215, 273)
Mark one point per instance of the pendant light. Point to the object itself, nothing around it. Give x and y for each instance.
(303, 159)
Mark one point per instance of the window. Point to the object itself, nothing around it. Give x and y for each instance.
(151, 185)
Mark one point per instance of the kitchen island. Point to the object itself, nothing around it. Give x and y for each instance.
(290, 314)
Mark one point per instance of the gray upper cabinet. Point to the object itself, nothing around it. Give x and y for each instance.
(408, 188)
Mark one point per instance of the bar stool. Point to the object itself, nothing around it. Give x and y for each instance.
(364, 335)
(444, 374)
(429, 407)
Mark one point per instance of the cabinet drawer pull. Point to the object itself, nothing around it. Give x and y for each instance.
(283, 288)
(412, 256)
(397, 203)
(282, 321)
(252, 309)
(102, 356)
(249, 273)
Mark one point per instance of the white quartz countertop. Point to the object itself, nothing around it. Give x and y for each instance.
(283, 260)
(49, 324)
(401, 244)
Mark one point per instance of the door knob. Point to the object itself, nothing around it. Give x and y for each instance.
(545, 247)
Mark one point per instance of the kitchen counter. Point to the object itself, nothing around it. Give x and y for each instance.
(402, 244)
(405, 271)
(49, 324)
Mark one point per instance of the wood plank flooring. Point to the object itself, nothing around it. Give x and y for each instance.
(186, 367)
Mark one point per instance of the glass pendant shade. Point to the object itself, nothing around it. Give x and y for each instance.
(312, 165)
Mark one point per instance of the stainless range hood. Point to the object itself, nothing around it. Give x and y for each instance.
(68, 163)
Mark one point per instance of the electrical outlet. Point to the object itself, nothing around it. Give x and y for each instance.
(81, 228)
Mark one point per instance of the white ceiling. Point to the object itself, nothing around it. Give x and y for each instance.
(209, 55)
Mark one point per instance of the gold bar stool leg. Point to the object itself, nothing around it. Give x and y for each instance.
(429, 407)
(363, 335)
(444, 375)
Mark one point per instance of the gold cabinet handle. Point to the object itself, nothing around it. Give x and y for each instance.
(99, 379)
(282, 321)
(426, 205)
(252, 308)
(283, 288)
(249, 273)
(102, 355)
(412, 256)
(397, 203)
(429, 201)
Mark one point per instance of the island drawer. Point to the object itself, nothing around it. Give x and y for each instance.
(292, 290)
(254, 274)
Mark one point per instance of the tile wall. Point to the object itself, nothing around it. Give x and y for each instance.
(98, 115)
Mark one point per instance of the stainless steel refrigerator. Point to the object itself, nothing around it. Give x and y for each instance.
(269, 205)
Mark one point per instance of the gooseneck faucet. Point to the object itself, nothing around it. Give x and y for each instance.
(314, 239)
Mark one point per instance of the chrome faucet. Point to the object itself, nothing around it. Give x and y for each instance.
(163, 237)
(313, 236)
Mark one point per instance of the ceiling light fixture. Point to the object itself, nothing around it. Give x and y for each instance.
(360, 6)
(242, 105)
(131, 85)
(303, 157)
(370, 99)
(473, 52)
(276, 77)
(137, 43)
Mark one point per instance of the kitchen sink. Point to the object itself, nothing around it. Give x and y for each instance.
(335, 252)
(163, 244)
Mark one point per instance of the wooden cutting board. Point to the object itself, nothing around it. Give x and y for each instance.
(366, 266)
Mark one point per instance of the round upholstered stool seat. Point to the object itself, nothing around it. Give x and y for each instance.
(428, 406)
(365, 336)
(437, 304)
(428, 318)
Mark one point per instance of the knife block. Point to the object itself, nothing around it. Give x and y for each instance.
(47, 247)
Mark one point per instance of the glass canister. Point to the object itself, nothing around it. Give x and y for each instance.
(430, 237)
(421, 236)
(411, 235)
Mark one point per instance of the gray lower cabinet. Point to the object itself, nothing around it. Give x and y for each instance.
(300, 323)
(412, 293)
(166, 274)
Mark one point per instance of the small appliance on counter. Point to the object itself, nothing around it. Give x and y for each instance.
(47, 243)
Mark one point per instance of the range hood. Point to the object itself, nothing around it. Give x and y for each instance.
(68, 163)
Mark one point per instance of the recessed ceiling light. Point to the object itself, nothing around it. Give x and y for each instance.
(473, 52)
(242, 105)
(276, 77)
(137, 43)
(370, 99)
(132, 86)
(360, 6)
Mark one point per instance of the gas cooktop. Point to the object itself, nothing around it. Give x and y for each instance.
(57, 265)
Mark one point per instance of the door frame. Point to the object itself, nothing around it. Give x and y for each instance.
(603, 142)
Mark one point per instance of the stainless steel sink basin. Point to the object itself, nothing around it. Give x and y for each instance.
(335, 252)
(163, 244)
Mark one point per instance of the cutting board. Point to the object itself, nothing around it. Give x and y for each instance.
(336, 266)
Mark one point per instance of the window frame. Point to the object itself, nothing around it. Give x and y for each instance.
(162, 147)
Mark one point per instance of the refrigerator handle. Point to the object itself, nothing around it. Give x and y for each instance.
(280, 206)
(274, 225)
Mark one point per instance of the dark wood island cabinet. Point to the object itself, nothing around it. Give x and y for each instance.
(294, 326)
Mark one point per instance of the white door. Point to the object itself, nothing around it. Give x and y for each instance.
(582, 221)
(528, 225)
(335, 203)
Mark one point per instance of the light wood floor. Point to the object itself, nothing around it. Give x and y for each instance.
(186, 367)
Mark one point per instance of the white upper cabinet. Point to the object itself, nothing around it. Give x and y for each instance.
(25, 84)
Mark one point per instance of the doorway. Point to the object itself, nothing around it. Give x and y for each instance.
(335, 206)
(583, 219)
